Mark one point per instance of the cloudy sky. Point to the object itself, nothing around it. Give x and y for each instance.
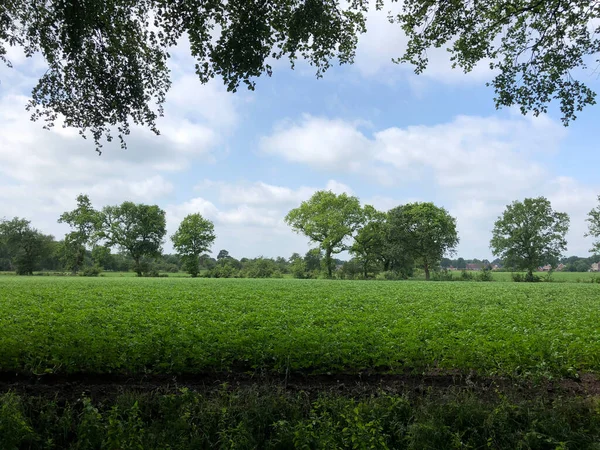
(373, 129)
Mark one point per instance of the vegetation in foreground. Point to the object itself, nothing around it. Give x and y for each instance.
(171, 326)
(272, 418)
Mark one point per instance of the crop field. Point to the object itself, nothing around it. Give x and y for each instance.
(131, 326)
(155, 363)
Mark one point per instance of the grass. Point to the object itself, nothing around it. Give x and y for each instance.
(559, 277)
(179, 325)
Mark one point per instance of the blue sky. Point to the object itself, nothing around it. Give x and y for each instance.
(373, 129)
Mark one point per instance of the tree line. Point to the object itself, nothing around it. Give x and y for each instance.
(527, 235)
(417, 235)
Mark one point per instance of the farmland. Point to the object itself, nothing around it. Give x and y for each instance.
(123, 362)
(130, 326)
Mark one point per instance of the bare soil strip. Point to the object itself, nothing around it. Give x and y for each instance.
(100, 387)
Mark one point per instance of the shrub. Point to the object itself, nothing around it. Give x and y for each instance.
(485, 275)
(91, 271)
(442, 275)
(466, 276)
(525, 278)
(389, 275)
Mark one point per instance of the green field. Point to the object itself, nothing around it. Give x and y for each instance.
(132, 326)
(557, 277)
(281, 364)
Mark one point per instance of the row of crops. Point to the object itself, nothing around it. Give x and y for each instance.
(176, 326)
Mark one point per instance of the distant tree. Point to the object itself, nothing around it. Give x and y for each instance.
(194, 237)
(327, 219)
(446, 263)
(222, 254)
(259, 268)
(369, 241)
(101, 255)
(282, 264)
(207, 262)
(593, 221)
(529, 234)
(424, 231)
(25, 245)
(461, 263)
(352, 269)
(313, 261)
(84, 222)
(137, 229)
(297, 266)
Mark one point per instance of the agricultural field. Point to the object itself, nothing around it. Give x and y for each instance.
(131, 325)
(124, 362)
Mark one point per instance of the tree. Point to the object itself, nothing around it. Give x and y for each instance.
(107, 61)
(370, 240)
(529, 234)
(84, 221)
(194, 237)
(222, 254)
(297, 266)
(424, 231)
(593, 221)
(327, 219)
(25, 245)
(137, 229)
(535, 46)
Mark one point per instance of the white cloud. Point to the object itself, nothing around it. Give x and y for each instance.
(323, 143)
(474, 166)
(385, 41)
(41, 172)
(469, 153)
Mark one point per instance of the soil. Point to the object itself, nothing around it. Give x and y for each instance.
(100, 387)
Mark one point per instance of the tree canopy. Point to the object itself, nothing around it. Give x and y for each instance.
(535, 47)
(194, 236)
(26, 244)
(84, 221)
(529, 234)
(593, 221)
(137, 229)
(423, 232)
(369, 242)
(327, 219)
(107, 61)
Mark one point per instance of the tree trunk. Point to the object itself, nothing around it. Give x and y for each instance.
(366, 268)
(328, 262)
(530, 274)
(426, 271)
(137, 267)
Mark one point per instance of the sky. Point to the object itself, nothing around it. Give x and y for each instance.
(373, 129)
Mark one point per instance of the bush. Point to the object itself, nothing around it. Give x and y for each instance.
(153, 273)
(442, 275)
(466, 276)
(91, 271)
(485, 275)
(525, 278)
(389, 275)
